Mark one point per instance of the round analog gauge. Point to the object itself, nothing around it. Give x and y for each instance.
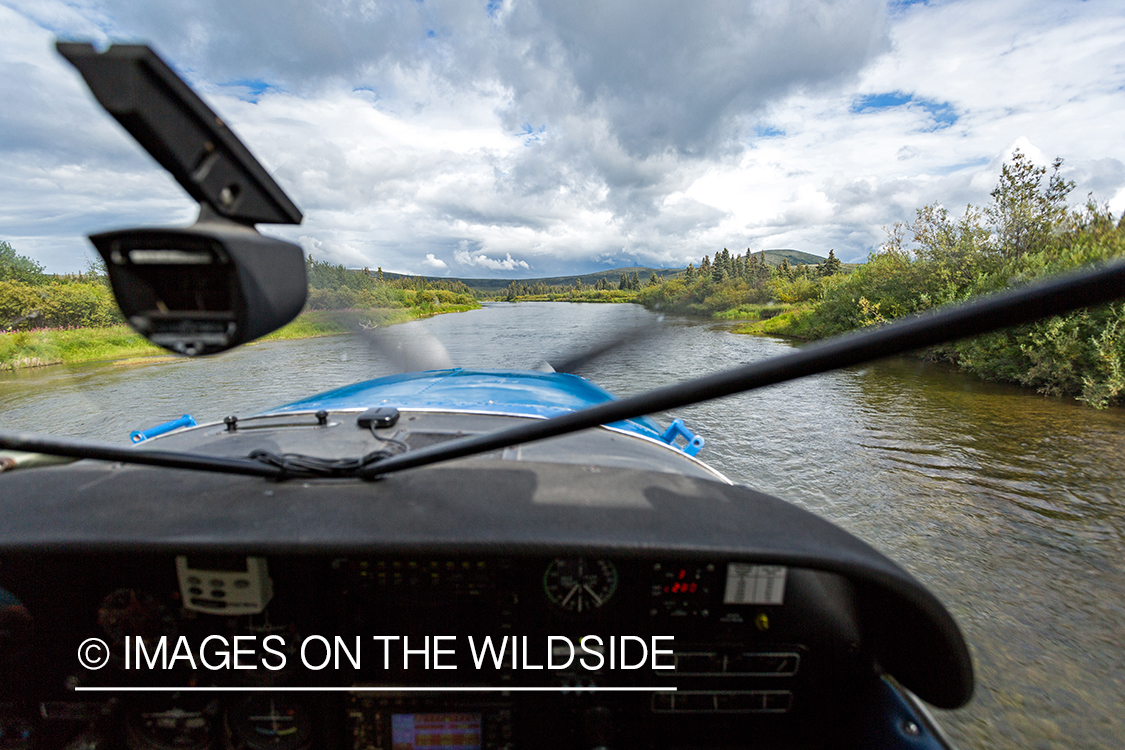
(269, 722)
(174, 724)
(128, 612)
(579, 584)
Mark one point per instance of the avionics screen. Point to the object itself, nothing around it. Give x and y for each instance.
(444, 731)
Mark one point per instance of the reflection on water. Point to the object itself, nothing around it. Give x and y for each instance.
(1010, 506)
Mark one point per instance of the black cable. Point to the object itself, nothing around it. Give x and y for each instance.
(297, 465)
(403, 447)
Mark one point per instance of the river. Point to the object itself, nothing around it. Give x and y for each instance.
(1010, 506)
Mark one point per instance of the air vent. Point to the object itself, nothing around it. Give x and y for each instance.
(737, 664)
(723, 701)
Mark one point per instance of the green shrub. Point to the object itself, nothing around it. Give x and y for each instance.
(795, 290)
(20, 300)
(16, 267)
(57, 305)
(81, 305)
(1081, 354)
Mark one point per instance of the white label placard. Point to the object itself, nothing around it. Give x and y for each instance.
(755, 584)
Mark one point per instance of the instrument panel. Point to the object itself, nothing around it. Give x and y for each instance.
(404, 652)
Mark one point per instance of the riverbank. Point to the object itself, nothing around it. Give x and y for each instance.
(40, 348)
(783, 321)
(314, 323)
(45, 347)
(754, 317)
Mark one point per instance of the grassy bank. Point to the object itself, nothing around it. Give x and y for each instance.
(784, 321)
(38, 348)
(759, 314)
(43, 347)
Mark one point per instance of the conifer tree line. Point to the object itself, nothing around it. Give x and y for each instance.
(740, 285)
(749, 269)
(335, 287)
(603, 290)
(753, 268)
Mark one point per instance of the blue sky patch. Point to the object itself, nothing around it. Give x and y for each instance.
(531, 134)
(493, 7)
(942, 113)
(254, 88)
(881, 101)
(767, 131)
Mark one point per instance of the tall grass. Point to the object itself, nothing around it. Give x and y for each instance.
(40, 347)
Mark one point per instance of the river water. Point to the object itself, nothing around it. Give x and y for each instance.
(1010, 506)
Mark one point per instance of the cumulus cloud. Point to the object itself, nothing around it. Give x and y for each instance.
(668, 74)
(466, 258)
(432, 262)
(662, 73)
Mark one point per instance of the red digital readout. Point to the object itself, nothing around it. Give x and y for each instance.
(682, 588)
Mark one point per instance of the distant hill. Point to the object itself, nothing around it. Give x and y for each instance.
(493, 286)
(795, 257)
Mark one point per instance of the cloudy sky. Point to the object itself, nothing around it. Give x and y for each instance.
(524, 138)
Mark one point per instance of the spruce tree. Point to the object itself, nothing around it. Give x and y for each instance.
(763, 271)
(830, 266)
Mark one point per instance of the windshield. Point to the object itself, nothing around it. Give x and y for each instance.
(510, 184)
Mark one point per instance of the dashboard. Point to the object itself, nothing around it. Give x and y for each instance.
(574, 651)
(503, 601)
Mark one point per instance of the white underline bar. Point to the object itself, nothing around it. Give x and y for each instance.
(275, 689)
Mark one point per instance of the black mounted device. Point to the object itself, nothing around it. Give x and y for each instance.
(219, 283)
